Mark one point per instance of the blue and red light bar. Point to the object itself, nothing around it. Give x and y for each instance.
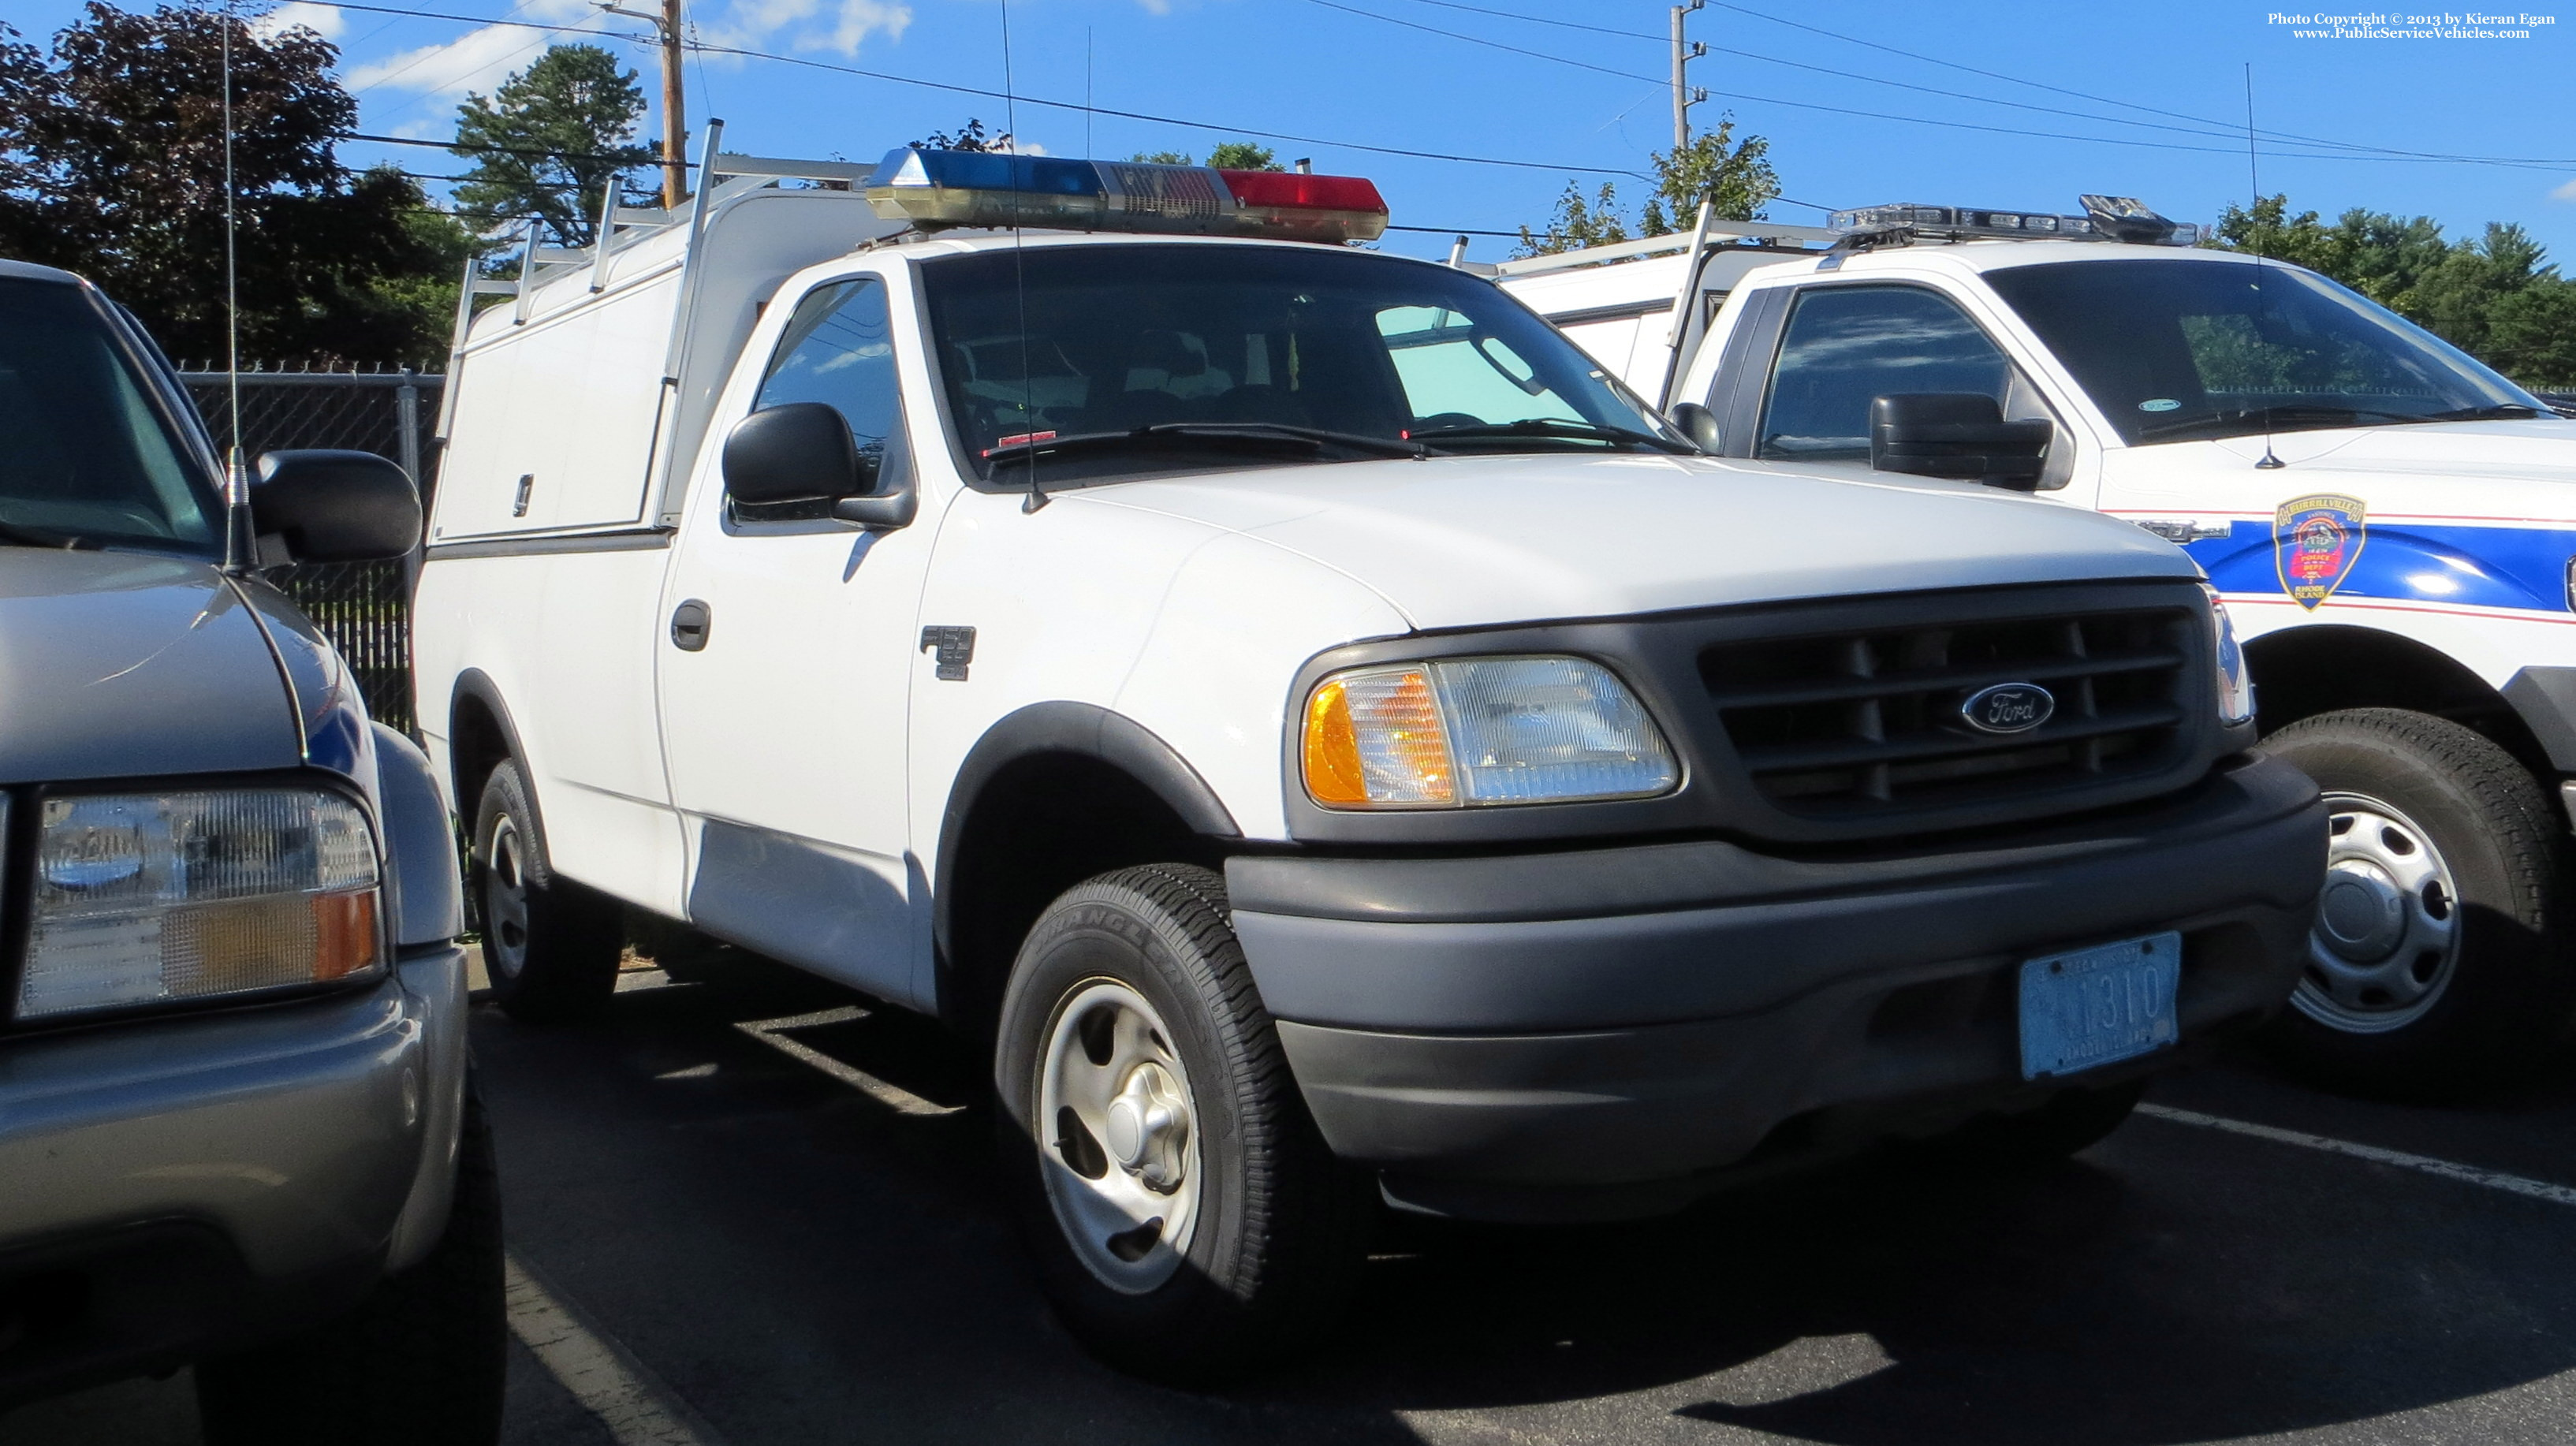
(987, 188)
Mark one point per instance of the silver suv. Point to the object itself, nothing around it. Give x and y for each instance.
(235, 1125)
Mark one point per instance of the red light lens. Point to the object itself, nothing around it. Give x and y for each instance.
(1289, 189)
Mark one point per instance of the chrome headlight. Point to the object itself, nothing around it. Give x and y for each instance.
(1466, 732)
(158, 898)
(2235, 685)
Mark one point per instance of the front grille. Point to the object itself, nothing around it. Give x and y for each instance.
(1854, 723)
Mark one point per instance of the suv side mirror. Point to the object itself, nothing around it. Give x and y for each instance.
(334, 506)
(1956, 434)
(1697, 423)
(803, 452)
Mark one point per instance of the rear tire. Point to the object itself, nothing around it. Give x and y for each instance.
(1187, 1219)
(2439, 963)
(550, 945)
(420, 1361)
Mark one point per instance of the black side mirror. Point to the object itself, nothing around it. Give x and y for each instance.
(1956, 434)
(794, 452)
(333, 506)
(803, 452)
(1697, 423)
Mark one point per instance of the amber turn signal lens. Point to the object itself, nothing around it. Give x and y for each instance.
(1375, 739)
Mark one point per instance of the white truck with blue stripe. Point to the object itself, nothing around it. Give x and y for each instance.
(2391, 523)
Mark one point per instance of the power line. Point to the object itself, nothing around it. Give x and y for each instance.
(978, 91)
(2357, 153)
(530, 151)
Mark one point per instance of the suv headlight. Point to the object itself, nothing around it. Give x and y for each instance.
(1466, 732)
(2235, 685)
(158, 898)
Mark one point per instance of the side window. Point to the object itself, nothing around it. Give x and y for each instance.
(1847, 344)
(839, 350)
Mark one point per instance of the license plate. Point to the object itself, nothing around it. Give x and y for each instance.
(2094, 1006)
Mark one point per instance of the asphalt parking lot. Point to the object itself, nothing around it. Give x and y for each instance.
(747, 1210)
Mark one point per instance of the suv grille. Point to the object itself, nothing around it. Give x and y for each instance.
(1853, 723)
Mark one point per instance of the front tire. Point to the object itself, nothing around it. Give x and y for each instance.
(550, 946)
(1187, 1219)
(2438, 965)
(420, 1362)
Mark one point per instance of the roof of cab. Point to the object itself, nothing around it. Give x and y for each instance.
(1995, 254)
(30, 271)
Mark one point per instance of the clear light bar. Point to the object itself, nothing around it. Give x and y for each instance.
(986, 188)
(2114, 218)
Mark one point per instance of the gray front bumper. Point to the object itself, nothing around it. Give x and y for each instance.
(1596, 1032)
(282, 1157)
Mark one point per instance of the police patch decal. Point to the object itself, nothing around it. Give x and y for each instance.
(2315, 542)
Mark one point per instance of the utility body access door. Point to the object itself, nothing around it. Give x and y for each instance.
(784, 668)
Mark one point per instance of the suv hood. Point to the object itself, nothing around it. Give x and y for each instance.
(2500, 471)
(1482, 541)
(116, 665)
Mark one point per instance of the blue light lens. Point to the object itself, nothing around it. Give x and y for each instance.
(988, 171)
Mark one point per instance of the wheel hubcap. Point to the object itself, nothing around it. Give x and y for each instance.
(2387, 935)
(505, 901)
(1121, 1157)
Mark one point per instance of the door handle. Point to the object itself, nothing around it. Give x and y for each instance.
(690, 622)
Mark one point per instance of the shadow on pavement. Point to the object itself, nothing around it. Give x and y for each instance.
(803, 1262)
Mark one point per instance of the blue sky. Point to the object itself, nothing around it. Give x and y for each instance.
(1342, 71)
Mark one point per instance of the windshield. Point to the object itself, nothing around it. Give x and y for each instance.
(86, 459)
(1252, 355)
(2177, 349)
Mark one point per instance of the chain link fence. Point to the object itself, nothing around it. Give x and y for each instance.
(364, 607)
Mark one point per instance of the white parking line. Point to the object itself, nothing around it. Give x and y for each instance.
(600, 1373)
(2425, 1164)
(891, 1095)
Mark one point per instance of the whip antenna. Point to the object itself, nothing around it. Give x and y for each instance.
(2254, 178)
(236, 478)
(1022, 177)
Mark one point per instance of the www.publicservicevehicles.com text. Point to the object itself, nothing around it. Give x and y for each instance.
(2391, 25)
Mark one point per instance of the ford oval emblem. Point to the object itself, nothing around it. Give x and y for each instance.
(2008, 708)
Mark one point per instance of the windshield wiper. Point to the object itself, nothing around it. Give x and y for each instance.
(1554, 428)
(14, 535)
(1257, 434)
(2498, 412)
(2275, 416)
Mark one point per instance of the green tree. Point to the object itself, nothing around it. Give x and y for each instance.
(1228, 156)
(1577, 223)
(969, 137)
(1244, 156)
(2496, 297)
(549, 140)
(1734, 176)
(112, 165)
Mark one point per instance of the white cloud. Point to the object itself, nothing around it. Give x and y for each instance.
(324, 20)
(1156, 7)
(839, 27)
(478, 60)
(2566, 192)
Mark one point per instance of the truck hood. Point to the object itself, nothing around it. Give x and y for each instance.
(1483, 541)
(2503, 470)
(115, 665)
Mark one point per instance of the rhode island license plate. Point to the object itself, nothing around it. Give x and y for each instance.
(2097, 1005)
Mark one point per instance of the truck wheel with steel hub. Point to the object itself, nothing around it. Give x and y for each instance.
(1188, 1222)
(2388, 923)
(550, 946)
(2438, 964)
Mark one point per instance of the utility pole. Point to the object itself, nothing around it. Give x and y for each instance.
(675, 128)
(1685, 50)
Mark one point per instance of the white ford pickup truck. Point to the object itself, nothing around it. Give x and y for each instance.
(1327, 740)
(2388, 520)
